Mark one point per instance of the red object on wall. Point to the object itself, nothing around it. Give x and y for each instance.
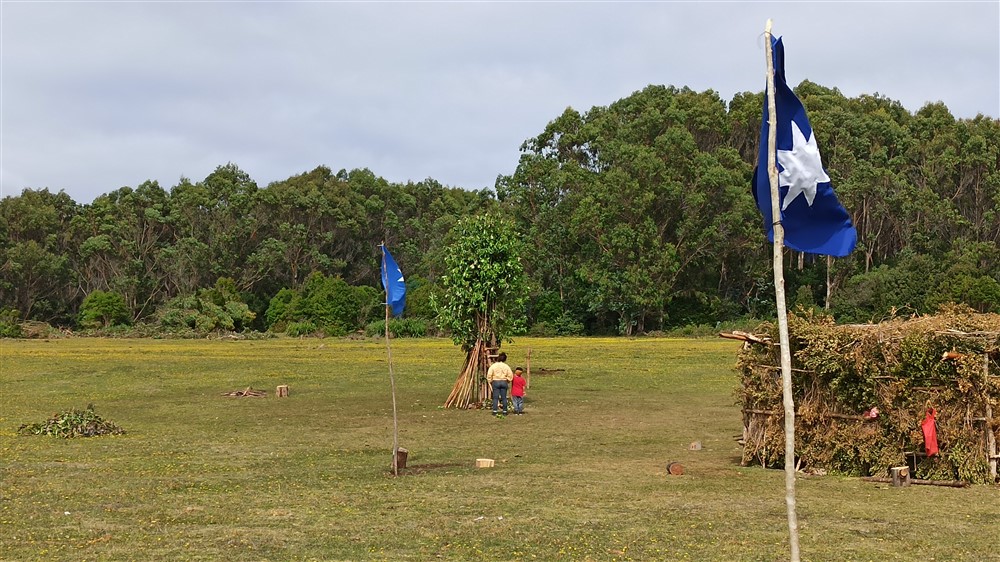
(930, 433)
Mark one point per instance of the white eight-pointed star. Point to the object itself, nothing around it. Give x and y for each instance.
(802, 168)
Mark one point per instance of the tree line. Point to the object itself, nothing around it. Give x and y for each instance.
(633, 217)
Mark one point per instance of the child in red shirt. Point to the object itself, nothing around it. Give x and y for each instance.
(517, 391)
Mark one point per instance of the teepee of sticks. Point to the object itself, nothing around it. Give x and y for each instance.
(471, 389)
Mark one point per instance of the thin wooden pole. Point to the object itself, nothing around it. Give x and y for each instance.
(527, 375)
(779, 296)
(829, 286)
(991, 440)
(392, 378)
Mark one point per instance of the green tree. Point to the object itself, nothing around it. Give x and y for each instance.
(629, 206)
(220, 214)
(123, 235)
(484, 286)
(36, 277)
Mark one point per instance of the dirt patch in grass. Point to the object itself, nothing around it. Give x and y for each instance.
(415, 469)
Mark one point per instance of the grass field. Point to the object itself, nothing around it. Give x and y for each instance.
(581, 476)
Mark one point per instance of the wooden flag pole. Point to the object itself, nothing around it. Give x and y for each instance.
(392, 378)
(779, 295)
(527, 375)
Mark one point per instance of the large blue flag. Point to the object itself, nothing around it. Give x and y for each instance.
(392, 281)
(814, 220)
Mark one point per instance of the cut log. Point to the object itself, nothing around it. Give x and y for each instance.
(917, 481)
(282, 391)
(900, 476)
(745, 336)
(675, 468)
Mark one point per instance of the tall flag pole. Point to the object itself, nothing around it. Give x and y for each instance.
(801, 211)
(779, 295)
(395, 299)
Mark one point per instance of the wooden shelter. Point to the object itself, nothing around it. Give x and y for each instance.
(863, 391)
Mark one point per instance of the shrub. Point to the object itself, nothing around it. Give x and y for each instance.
(567, 325)
(398, 328)
(542, 330)
(563, 325)
(297, 329)
(328, 303)
(278, 309)
(10, 324)
(418, 297)
(692, 331)
(102, 309)
(212, 309)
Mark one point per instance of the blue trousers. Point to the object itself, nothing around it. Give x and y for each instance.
(500, 393)
(518, 404)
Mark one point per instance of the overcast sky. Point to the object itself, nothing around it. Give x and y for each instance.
(100, 95)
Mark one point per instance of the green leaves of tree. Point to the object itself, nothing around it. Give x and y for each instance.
(484, 284)
(326, 304)
(630, 205)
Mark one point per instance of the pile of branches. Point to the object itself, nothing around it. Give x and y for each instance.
(862, 391)
(73, 423)
(249, 391)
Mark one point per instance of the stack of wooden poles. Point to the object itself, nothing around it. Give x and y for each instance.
(471, 388)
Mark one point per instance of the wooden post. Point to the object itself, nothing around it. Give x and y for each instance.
(282, 391)
(991, 439)
(400, 463)
(527, 375)
(779, 297)
(900, 476)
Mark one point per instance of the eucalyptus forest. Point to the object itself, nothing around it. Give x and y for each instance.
(630, 218)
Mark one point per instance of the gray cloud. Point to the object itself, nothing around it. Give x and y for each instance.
(101, 95)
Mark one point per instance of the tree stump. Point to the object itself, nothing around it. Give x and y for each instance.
(282, 391)
(900, 476)
(675, 468)
(484, 463)
(401, 455)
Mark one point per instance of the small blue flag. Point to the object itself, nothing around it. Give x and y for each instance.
(814, 220)
(392, 281)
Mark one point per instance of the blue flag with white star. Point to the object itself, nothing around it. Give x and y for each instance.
(392, 281)
(814, 220)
